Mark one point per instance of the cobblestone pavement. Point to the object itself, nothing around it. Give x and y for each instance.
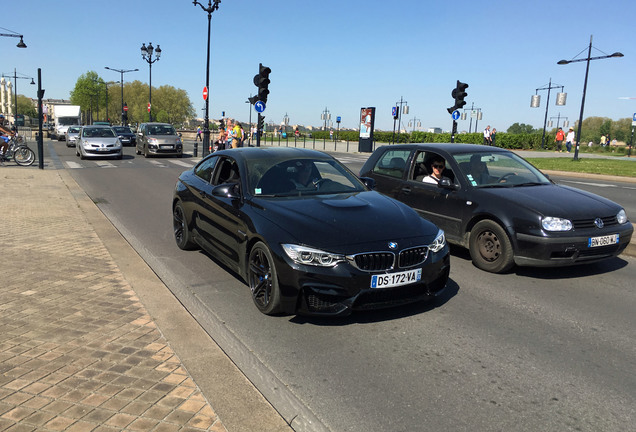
(78, 350)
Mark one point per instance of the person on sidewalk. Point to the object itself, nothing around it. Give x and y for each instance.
(558, 139)
(569, 139)
(198, 138)
(487, 135)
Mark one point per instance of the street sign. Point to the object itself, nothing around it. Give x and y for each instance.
(205, 93)
(338, 119)
(634, 120)
(455, 114)
(125, 107)
(148, 106)
(259, 106)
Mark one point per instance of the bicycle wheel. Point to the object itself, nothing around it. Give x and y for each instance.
(24, 156)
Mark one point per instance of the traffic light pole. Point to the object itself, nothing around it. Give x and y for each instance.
(453, 131)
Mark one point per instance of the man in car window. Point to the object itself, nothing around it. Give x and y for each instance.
(437, 167)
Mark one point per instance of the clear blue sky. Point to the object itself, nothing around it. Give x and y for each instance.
(341, 55)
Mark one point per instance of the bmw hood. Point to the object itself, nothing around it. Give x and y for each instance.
(333, 220)
(558, 201)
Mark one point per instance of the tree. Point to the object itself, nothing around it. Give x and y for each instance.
(522, 128)
(26, 107)
(169, 104)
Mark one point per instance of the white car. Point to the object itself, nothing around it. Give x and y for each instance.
(98, 141)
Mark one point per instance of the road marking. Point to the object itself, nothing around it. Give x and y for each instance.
(589, 184)
(181, 163)
(73, 164)
(105, 164)
(157, 163)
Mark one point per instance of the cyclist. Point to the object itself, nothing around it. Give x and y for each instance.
(4, 145)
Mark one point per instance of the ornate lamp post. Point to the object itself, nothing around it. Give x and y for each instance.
(146, 54)
(122, 72)
(536, 100)
(206, 125)
(587, 70)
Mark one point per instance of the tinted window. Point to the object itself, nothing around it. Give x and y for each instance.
(392, 163)
(205, 168)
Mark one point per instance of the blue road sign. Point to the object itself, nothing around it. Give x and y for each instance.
(455, 114)
(259, 106)
(338, 119)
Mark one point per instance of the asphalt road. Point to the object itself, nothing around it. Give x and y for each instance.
(536, 349)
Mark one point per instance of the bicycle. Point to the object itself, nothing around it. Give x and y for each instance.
(19, 152)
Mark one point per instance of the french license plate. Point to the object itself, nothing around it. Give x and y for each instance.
(102, 149)
(167, 146)
(602, 241)
(396, 279)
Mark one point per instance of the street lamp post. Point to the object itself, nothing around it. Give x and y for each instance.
(15, 88)
(534, 103)
(122, 72)
(20, 44)
(146, 54)
(587, 70)
(206, 125)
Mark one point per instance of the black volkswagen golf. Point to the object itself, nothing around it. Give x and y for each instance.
(499, 206)
(306, 234)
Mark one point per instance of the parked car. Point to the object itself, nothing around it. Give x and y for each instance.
(72, 134)
(158, 139)
(98, 141)
(126, 135)
(500, 207)
(306, 234)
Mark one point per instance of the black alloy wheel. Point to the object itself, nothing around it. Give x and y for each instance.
(263, 281)
(181, 230)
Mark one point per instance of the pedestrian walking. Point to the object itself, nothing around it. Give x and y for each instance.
(493, 135)
(558, 139)
(199, 137)
(569, 139)
(487, 135)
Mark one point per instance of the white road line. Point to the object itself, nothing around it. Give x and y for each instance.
(158, 164)
(73, 164)
(181, 163)
(104, 164)
(589, 184)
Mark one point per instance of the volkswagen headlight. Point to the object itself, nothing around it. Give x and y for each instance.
(550, 223)
(309, 256)
(621, 217)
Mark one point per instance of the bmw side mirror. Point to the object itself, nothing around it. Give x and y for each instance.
(368, 182)
(227, 190)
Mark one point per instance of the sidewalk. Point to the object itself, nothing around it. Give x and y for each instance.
(90, 338)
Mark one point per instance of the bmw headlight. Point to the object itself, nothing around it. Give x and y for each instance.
(621, 217)
(439, 243)
(309, 256)
(550, 223)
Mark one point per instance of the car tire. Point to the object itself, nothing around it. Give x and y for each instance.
(490, 248)
(263, 280)
(181, 230)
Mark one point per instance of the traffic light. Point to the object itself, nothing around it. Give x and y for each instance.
(260, 125)
(262, 81)
(458, 93)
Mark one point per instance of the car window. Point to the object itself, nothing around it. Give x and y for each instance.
(226, 171)
(485, 169)
(392, 163)
(205, 168)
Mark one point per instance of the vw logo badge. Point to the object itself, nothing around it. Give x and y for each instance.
(599, 223)
(393, 245)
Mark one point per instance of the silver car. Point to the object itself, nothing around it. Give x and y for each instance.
(98, 141)
(158, 139)
(72, 134)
